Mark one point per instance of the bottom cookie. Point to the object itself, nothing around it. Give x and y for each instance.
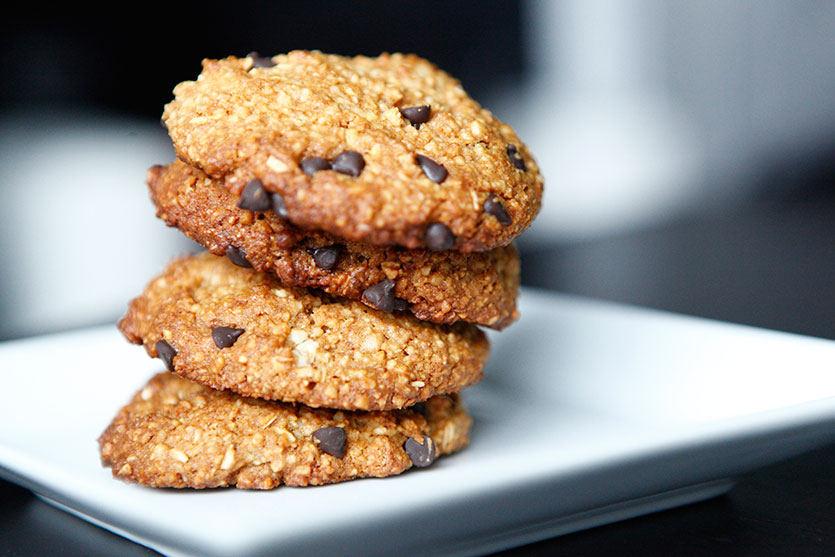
(177, 433)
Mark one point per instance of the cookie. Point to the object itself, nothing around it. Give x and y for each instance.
(388, 150)
(233, 328)
(177, 433)
(443, 287)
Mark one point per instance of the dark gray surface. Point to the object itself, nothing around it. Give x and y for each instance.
(772, 268)
(786, 509)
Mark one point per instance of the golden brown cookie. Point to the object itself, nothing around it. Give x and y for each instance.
(234, 328)
(441, 287)
(388, 150)
(177, 433)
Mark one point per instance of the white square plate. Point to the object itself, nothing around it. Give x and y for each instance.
(590, 412)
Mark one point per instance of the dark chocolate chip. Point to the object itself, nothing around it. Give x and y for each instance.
(225, 337)
(279, 208)
(254, 197)
(434, 171)
(259, 61)
(349, 162)
(493, 206)
(416, 115)
(420, 408)
(381, 296)
(166, 353)
(515, 157)
(438, 237)
(331, 440)
(420, 454)
(237, 256)
(312, 165)
(326, 257)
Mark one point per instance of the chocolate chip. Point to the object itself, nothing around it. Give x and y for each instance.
(493, 206)
(225, 337)
(349, 162)
(420, 454)
(416, 115)
(326, 257)
(420, 408)
(331, 440)
(166, 353)
(434, 171)
(381, 296)
(259, 61)
(438, 237)
(312, 165)
(515, 157)
(254, 197)
(237, 256)
(279, 208)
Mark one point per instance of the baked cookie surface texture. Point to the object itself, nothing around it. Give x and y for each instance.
(387, 150)
(442, 287)
(234, 328)
(177, 433)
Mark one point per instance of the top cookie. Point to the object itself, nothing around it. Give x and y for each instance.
(388, 150)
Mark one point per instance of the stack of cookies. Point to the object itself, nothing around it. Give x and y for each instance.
(357, 215)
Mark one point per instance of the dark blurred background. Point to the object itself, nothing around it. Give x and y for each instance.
(129, 61)
(688, 148)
